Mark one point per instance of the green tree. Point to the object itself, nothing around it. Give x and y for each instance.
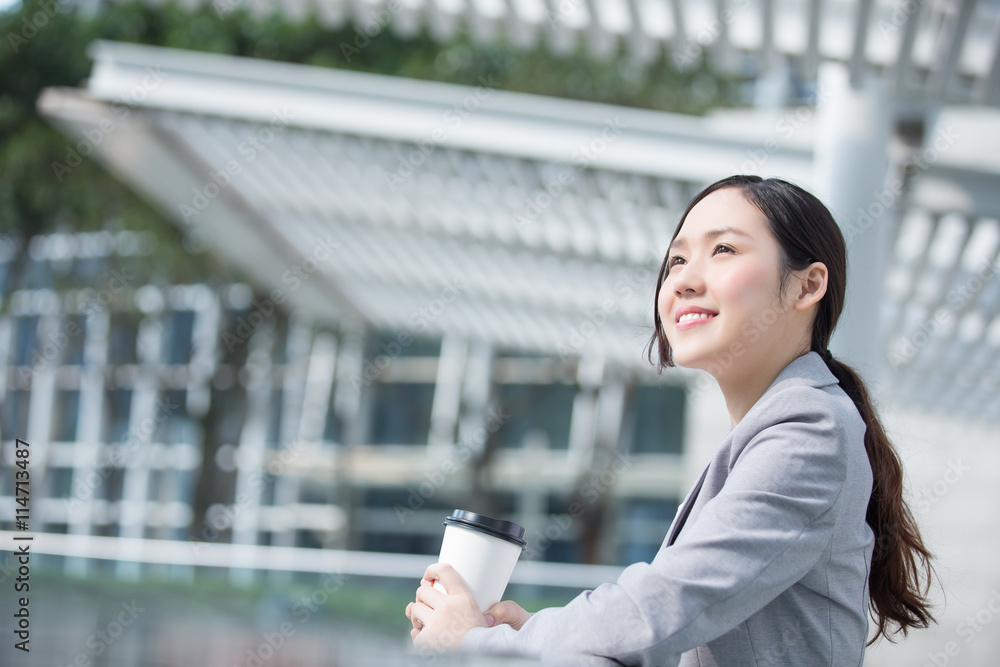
(45, 44)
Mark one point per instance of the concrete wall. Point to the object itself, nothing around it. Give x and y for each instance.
(953, 482)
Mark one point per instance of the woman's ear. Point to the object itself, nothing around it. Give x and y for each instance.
(811, 285)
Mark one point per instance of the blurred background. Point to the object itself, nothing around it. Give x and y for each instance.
(285, 282)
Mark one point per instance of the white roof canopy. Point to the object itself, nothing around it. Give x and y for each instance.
(525, 221)
(934, 50)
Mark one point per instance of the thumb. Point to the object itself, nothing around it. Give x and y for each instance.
(508, 612)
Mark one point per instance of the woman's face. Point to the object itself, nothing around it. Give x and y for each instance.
(724, 262)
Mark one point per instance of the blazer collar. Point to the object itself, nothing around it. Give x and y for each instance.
(809, 370)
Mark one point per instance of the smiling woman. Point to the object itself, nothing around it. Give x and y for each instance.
(797, 529)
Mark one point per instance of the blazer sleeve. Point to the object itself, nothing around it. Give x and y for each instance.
(762, 532)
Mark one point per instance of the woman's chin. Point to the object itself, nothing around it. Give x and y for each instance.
(686, 359)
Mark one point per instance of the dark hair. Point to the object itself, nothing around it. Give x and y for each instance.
(806, 232)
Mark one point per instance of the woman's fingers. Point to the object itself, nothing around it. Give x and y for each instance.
(430, 596)
(449, 578)
(419, 614)
(508, 612)
(417, 625)
(440, 620)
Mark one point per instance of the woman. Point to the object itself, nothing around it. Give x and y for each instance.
(797, 529)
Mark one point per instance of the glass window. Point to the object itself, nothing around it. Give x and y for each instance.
(642, 525)
(279, 349)
(267, 489)
(6, 485)
(177, 337)
(36, 275)
(86, 270)
(559, 537)
(316, 492)
(75, 329)
(24, 344)
(408, 543)
(402, 413)
(274, 417)
(655, 419)
(117, 407)
(109, 529)
(307, 539)
(154, 487)
(332, 427)
(14, 414)
(538, 413)
(394, 344)
(388, 497)
(172, 421)
(113, 484)
(236, 332)
(122, 339)
(231, 406)
(499, 505)
(562, 551)
(64, 420)
(181, 485)
(518, 353)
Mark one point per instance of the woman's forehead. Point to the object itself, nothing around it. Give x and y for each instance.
(722, 211)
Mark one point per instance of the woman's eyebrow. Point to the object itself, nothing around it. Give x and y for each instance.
(679, 242)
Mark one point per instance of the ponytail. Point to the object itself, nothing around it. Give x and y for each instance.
(901, 570)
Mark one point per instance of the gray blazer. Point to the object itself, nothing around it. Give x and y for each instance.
(766, 563)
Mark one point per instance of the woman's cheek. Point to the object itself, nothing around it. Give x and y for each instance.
(744, 287)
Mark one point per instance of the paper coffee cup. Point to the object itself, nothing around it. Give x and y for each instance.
(484, 551)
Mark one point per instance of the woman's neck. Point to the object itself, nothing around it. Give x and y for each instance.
(744, 384)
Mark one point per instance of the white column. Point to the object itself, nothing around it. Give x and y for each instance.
(43, 387)
(853, 132)
(318, 387)
(143, 419)
(287, 486)
(350, 390)
(204, 351)
(475, 391)
(610, 420)
(88, 447)
(447, 396)
(251, 456)
(583, 421)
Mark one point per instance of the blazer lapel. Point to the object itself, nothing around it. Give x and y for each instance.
(685, 509)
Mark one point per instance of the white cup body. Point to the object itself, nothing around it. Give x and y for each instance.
(484, 561)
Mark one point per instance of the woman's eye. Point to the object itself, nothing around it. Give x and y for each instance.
(677, 258)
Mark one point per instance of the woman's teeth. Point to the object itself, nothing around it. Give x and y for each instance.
(694, 316)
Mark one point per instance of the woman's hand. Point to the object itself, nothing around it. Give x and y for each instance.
(508, 612)
(440, 620)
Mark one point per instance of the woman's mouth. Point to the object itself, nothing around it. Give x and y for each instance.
(690, 320)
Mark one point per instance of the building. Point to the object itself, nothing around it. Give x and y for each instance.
(445, 252)
(146, 403)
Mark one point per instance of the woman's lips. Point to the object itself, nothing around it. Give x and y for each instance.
(688, 324)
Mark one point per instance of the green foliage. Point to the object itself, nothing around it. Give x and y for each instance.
(35, 198)
(374, 603)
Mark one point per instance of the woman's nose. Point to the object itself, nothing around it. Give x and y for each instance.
(688, 279)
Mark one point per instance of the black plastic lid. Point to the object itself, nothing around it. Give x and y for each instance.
(505, 530)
